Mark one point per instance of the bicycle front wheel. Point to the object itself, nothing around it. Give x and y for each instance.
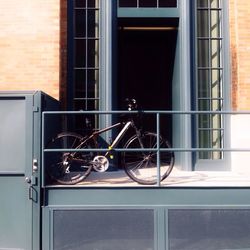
(141, 166)
(68, 167)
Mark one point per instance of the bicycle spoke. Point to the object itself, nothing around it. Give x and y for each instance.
(137, 166)
(69, 167)
(142, 167)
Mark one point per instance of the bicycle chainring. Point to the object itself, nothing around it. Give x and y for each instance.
(100, 163)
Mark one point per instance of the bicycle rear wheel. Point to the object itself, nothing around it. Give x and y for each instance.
(142, 166)
(68, 167)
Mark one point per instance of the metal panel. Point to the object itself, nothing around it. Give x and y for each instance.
(103, 229)
(170, 197)
(12, 140)
(195, 229)
(175, 210)
(20, 140)
(16, 131)
(13, 216)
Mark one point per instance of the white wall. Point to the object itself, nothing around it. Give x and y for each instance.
(240, 138)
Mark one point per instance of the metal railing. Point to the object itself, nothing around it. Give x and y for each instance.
(158, 114)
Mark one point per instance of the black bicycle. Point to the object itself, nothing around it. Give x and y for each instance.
(71, 165)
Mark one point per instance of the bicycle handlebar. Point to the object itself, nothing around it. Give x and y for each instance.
(131, 104)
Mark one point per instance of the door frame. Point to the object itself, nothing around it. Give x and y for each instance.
(181, 89)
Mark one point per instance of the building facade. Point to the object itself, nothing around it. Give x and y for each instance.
(92, 55)
(49, 33)
(45, 38)
(186, 60)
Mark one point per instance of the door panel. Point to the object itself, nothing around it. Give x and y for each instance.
(15, 165)
(14, 207)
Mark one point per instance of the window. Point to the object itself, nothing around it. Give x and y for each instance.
(85, 56)
(209, 72)
(148, 3)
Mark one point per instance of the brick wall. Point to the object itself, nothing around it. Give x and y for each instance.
(33, 47)
(29, 45)
(239, 12)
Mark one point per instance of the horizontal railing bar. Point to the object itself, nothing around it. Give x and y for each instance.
(84, 68)
(149, 149)
(87, 8)
(147, 112)
(210, 99)
(85, 98)
(86, 38)
(209, 8)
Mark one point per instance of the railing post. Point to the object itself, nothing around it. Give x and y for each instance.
(42, 151)
(158, 149)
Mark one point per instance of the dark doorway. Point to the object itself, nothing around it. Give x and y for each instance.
(146, 55)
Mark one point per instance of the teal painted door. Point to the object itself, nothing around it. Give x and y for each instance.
(16, 153)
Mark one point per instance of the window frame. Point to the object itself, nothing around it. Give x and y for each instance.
(225, 162)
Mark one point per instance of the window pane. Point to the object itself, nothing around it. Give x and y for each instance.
(148, 3)
(103, 229)
(80, 83)
(85, 104)
(215, 3)
(202, 23)
(216, 77)
(205, 142)
(93, 21)
(217, 143)
(203, 53)
(215, 23)
(80, 20)
(127, 3)
(204, 83)
(215, 53)
(93, 55)
(204, 121)
(80, 3)
(92, 81)
(93, 3)
(202, 3)
(80, 53)
(86, 80)
(168, 3)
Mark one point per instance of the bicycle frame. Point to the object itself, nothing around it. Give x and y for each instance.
(127, 125)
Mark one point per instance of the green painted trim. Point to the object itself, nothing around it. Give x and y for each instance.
(225, 163)
(106, 63)
(148, 12)
(148, 197)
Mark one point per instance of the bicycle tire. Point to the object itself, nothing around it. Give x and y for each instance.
(142, 166)
(68, 168)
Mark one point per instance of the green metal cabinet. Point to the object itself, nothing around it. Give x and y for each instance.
(146, 218)
(20, 136)
(37, 216)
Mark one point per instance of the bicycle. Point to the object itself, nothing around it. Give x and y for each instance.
(72, 167)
